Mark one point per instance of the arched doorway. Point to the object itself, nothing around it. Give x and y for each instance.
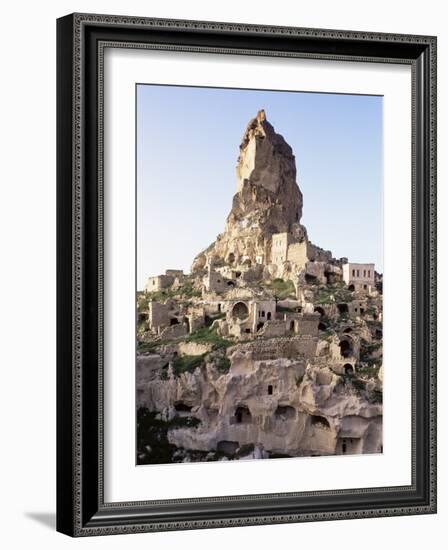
(242, 415)
(346, 347)
(240, 311)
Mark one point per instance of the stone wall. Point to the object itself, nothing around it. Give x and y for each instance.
(298, 254)
(159, 282)
(158, 316)
(308, 324)
(174, 331)
(279, 247)
(360, 276)
(275, 348)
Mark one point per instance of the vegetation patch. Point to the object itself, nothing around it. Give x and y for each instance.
(148, 347)
(350, 378)
(326, 334)
(187, 290)
(330, 294)
(370, 371)
(281, 289)
(222, 364)
(153, 446)
(376, 397)
(208, 335)
(368, 354)
(358, 384)
(187, 363)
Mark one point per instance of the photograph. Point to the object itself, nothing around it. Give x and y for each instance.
(259, 274)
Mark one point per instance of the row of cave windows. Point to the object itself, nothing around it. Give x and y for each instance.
(244, 416)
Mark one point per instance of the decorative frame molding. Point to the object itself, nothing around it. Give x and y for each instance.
(81, 42)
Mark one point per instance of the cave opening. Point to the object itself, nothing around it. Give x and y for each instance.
(243, 415)
(346, 347)
(342, 308)
(319, 421)
(348, 369)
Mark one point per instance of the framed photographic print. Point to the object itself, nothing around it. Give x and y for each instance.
(246, 274)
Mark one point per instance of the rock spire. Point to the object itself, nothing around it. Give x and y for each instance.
(268, 199)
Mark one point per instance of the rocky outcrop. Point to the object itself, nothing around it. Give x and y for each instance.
(283, 405)
(268, 199)
(264, 350)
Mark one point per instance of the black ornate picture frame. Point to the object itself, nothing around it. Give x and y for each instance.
(81, 508)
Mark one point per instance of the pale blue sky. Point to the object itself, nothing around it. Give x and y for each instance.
(187, 147)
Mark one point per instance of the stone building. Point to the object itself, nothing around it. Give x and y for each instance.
(214, 281)
(248, 316)
(176, 273)
(359, 277)
(279, 247)
(160, 282)
(158, 317)
(298, 252)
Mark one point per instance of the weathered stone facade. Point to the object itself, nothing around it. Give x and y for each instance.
(361, 277)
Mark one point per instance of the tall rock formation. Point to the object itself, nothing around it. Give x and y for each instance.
(268, 199)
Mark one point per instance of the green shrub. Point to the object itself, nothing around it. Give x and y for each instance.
(187, 363)
(376, 396)
(329, 294)
(148, 347)
(153, 446)
(370, 371)
(207, 335)
(186, 290)
(358, 384)
(281, 289)
(222, 364)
